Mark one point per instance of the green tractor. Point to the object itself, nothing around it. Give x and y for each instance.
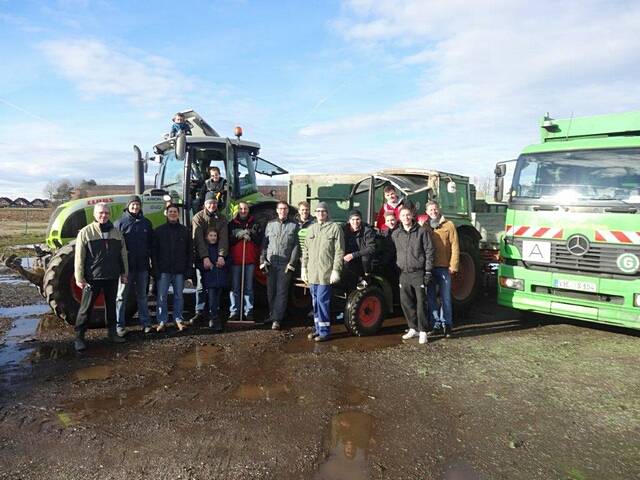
(183, 167)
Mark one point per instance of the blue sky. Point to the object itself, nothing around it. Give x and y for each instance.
(324, 86)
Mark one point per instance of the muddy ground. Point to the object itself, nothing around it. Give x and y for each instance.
(506, 399)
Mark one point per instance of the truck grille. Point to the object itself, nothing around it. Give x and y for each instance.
(601, 258)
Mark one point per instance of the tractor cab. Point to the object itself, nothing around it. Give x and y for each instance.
(185, 164)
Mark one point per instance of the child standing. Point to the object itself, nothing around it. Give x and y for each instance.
(215, 280)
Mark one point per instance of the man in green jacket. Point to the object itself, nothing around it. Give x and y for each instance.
(321, 267)
(100, 261)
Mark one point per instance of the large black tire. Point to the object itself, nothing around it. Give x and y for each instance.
(466, 284)
(60, 292)
(365, 311)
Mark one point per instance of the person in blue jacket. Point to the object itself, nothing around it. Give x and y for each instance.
(215, 280)
(138, 236)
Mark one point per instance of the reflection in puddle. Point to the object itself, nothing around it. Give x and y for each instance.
(201, 356)
(262, 392)
(342, 341)
(50, 323)
(354, 396)
(95, 407)
(99, 372)
(351, 438)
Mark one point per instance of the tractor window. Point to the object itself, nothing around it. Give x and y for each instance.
(73, 224)
(453, 203)
(173, 170)
(246, 174)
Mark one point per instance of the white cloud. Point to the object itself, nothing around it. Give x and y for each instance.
(482, 74)
(97, 70)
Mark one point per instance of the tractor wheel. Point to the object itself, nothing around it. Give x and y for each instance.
(466, 284)
(365, 311)
(63, 295)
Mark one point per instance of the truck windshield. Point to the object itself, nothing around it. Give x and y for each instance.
(575, 177)
(173, 170)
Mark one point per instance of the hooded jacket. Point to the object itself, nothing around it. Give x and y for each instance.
(138, 236)
(414, 250)
(101, 253)
(203, 221)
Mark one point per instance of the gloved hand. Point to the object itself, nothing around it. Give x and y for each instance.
(264, 267)
(290, 268)
(335, 277)
(427, 278)
(238, 234)
(246, 235)
(304, 276)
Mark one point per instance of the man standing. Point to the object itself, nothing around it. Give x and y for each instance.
(321, 268)
(138, 236)
(446, 262)
(360, 245)
(100, 260)
(304, 219)
(208, 218)
(172, 255)
(414, 257)
(244, 238)
(280, 252)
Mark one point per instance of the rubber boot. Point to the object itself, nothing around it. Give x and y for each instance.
(79, 343)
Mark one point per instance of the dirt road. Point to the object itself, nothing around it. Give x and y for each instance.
(506, 399)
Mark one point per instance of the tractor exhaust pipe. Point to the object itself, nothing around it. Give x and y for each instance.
(138, 171)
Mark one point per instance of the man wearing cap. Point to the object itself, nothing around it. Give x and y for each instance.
(100, 260)
(445, 265)
(138, 236)
(360, 245)
(208, 218)
(280, 253)
(322, 260)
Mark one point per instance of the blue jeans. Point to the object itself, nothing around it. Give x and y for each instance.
(440, 279)
(201, 294)
(321, 297)
(234, 294)
(177, 281)
(139, 281)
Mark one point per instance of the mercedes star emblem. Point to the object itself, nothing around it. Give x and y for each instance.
(578, 245)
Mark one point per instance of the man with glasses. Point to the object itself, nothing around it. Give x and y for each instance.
(321, 267)
(280, 252)
(100, 261)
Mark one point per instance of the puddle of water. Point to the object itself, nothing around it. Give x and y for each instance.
(57, 351)
(50, 323)
(262, 392)
(99, 372)
(24, 310)
(341, 340)
(100, 406)
(349, 443)
(354, 396)
(12, 280)
(200, 356)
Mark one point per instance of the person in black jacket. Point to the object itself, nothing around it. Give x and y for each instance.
(414, 257)
(138, 235)
(171, 261)
(359, 247)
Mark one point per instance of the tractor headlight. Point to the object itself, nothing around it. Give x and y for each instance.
(513, 283)
(636, 299)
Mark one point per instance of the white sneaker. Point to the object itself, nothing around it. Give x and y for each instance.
(121, 332)
(147, 329)
(423, 338)
(410, 334)
(160, 327)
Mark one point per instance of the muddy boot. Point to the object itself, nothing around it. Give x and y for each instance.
(79, 343)
(113, 336)
(447, 331)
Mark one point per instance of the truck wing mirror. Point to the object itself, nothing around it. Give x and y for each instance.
(500, 170)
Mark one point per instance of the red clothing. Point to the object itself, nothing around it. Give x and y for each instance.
(388, 208)
(251, 247)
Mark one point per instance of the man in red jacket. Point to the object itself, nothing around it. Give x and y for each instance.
(392, 203)
(244, 241)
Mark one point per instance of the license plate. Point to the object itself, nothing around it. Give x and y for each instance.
(575, 285)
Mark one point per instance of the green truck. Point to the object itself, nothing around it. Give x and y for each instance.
(571, 245)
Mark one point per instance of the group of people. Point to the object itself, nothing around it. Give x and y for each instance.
(119, 259)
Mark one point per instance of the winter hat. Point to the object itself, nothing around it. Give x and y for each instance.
(210, 197)
(355, 213)
(133, 198)
(322, 206)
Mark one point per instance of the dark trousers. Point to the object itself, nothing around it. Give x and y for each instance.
(213, 297)
(412, 299)
(89, 295)
(278, 280)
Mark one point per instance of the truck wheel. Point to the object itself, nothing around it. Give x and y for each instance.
(63, 295)
(466, 284)
(365, 311)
